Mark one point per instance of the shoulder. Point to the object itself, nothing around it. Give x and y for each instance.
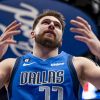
(82, 60)
(8, 63)
(6, 67)
(77, 62)
(82, 65)
(8, 60)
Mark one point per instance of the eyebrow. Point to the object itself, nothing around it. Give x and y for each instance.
(51, 20)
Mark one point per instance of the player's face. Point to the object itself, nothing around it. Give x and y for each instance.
(48, 32)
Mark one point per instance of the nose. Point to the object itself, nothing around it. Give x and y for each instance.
(51, 27)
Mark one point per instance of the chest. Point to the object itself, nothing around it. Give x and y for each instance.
(37, 74)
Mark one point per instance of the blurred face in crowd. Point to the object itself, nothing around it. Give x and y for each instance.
(48, 32)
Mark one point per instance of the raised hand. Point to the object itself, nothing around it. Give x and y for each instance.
(7, 37)
(86, 35)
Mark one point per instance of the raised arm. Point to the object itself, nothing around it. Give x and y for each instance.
(86, 35)
(7, 37)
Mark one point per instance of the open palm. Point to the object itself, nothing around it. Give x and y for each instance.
(86, 35)
(7, 37)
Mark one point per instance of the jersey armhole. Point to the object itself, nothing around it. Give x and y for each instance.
(77, 88)
(17, 62)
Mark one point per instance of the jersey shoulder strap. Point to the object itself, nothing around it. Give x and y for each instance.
(16, 65)
(76, 84)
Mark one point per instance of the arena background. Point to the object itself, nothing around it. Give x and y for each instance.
(25, 11)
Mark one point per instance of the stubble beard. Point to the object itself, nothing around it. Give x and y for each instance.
(47, 42)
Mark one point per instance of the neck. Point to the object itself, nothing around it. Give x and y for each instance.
(43, 52)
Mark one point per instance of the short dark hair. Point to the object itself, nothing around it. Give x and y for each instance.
(56, 14)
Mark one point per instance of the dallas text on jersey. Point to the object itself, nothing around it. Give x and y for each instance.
(43, 77)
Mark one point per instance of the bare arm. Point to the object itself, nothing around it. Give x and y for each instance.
(6, 67)
(7, 37)
(86, 35)
(88, 71)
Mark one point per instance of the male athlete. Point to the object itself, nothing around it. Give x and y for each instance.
(45, 74)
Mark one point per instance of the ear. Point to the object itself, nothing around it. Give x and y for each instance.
(32, 34)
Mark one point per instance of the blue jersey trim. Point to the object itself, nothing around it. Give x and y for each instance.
(76, 83)
(12, 76)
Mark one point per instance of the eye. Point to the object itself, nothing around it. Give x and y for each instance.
(46, 22)
(57, 25)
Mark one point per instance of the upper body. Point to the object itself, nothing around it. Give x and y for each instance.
(85, 72)
(47, 35)
(32, 78)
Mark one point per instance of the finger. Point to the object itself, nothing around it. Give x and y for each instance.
(82, 39)
(9, 34)
(78, 24)
(15, 27)
(12, 24)
(80, 19)
(80, 31)
(9, 42)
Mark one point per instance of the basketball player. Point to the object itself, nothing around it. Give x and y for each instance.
(45, 74)
(6, 37)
